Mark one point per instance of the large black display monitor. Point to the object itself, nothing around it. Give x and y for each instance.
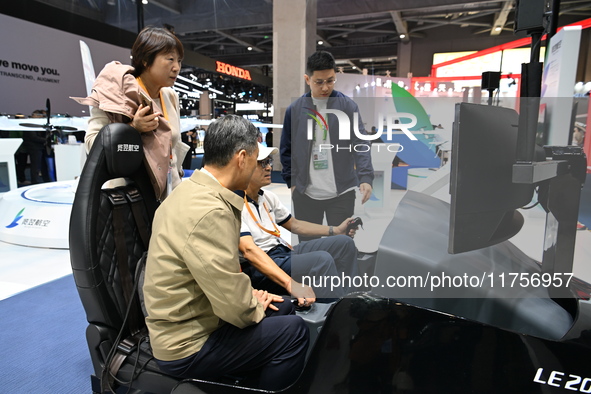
(484, 200)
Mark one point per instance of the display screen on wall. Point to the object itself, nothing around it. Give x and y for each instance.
(39, 63)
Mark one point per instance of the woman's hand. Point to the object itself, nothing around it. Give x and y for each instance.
(144, 121)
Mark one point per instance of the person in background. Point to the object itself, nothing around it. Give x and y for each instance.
(189, 137)
(204, 318)
(142, 96)
(323, 181)
(21, 157)
(35, 143)
(200, 137)
(269, 138)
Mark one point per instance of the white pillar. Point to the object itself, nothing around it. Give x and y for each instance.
(205, 109)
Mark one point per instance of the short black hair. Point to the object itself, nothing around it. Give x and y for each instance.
(320, 60)
(150, 42)
(227, 136)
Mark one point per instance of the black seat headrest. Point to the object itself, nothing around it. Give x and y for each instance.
(122, 145)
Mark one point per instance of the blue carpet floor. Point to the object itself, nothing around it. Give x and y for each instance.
(42, 341)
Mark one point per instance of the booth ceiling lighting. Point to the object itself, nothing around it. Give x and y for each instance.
(181, 85)
(510, 45)
(196, 94)
(189, 81)
(221, 87)
(353, 30)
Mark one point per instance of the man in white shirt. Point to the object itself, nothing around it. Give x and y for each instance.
(271, 263)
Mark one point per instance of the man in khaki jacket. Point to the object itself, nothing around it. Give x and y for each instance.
(204, 318)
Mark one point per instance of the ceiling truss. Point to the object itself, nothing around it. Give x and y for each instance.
(357, 33)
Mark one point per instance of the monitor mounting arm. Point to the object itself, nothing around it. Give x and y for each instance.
(559, 178)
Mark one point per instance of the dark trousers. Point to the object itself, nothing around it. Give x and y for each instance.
(274, 350)
(188, 159)
(20, 159)
(320, 258)
(336, 209)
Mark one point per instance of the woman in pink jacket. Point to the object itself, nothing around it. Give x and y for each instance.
(142, 96)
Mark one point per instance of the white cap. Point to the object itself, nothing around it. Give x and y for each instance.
(265, 152)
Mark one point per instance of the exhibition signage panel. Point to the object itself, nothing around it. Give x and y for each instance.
(558, 82)
(37, 215)
(68, 161)
(8, 147)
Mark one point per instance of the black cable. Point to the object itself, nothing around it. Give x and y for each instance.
(535, 46)
(135, 371)
(535, 204)
(106, 370)
(546, 32)
(531, 206)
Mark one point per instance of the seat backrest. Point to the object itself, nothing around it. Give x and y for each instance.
(116, 153)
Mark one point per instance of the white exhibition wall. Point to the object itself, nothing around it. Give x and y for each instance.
(39, 62)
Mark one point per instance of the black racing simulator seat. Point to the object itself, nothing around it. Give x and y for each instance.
(109, 233)
(109, 226)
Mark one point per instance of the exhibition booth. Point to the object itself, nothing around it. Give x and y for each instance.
(472, 272)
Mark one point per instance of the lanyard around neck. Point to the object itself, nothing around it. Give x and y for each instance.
(275, 232)
(143, 86)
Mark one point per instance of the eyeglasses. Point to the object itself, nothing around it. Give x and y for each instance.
(328, 82)
(267, 162)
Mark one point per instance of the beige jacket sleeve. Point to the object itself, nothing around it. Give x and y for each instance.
(217, 272)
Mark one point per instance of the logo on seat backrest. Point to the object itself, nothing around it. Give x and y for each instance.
(128, 148)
